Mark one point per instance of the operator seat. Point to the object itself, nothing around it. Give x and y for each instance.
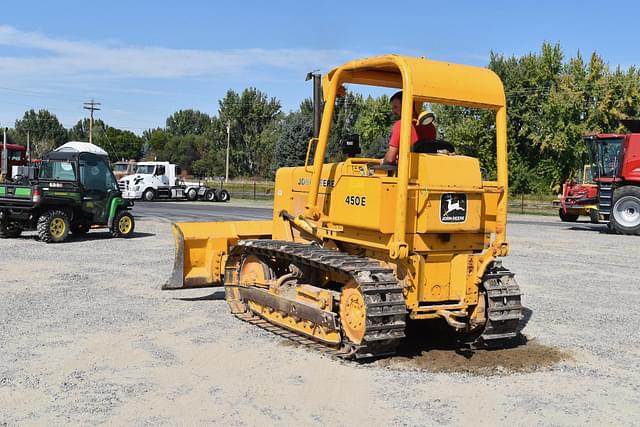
(432, 146)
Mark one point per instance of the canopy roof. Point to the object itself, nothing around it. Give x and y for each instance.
(81, 147)
(432, 81)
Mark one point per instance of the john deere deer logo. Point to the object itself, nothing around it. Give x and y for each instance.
(453, 207)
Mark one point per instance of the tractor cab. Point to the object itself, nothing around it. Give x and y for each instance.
(605, 151)
(616, 169)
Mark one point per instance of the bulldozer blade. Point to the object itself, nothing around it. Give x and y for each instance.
(202, 248)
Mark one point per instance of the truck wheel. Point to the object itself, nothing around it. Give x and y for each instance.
(594, 215)
(123, 224)
(53, 226)
(192, 194)
(625, 214)
(210, 195)
(149, 194)
(223, 196)
(10, 230)
(567, 217)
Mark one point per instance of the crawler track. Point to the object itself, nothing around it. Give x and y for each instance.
(384, 301)
(504, 308)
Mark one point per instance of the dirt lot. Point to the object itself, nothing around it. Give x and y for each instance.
(87, 337)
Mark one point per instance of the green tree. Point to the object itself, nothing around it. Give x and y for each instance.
(374, 126)
(345, 115)
(251, 116)
(123, 144)
(188, 122)
(45, 131)
(551, 105)
(183, 150)
(295, 133)
(154, 142)
(212, 164)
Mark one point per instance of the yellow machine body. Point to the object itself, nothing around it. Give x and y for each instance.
(434, 222)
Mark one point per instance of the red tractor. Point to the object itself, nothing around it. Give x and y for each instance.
(579, 197)
(616, 170)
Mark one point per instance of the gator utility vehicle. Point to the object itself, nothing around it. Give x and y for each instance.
(356, 248)
(75, 191)
(616, 159)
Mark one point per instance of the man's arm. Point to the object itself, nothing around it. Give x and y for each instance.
(390, 156)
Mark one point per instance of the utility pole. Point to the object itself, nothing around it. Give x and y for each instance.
(91, 106)
(28, 148)
(226, 176)
(5, 160)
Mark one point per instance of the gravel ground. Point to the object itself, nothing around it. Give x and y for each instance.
(87, 337)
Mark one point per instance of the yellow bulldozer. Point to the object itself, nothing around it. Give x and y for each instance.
(356, 249)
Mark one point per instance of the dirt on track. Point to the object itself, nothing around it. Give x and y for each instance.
(87, 337)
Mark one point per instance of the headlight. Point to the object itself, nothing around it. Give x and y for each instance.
(136, 188)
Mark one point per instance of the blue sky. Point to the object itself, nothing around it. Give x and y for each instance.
(144, 60)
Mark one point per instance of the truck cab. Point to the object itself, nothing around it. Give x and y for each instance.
(152, 180)
(122, 169)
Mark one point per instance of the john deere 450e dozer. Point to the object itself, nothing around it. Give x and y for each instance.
(355, 249)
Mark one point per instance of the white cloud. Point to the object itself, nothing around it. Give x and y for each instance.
(57, 58)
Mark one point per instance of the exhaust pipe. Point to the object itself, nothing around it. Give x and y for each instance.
(317, 100)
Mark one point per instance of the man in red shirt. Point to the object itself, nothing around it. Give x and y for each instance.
(418, 132)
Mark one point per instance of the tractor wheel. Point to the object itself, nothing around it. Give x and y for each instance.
(594, 215)
(149, 194)
(10, 230)
(123, 224)
(566, 216)
(625, 214)
(80, 227)
(192, 194)
(210, 195)
(53, 226)
(223, 196)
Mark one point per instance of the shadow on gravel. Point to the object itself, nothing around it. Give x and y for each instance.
(216, 296)
(91, 235)
(435, 348)
(596, 228)
(103, 235)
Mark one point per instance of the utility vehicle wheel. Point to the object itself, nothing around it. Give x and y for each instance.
(123, 225)
(625, 215)
(10, 230)
(192, 194)
(81, 227)
(149, 195)
(223, 196)
(210, 196)
(53, 226)
(567, 217)
(594, 215)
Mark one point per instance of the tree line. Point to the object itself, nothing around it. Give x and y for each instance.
(552, 102)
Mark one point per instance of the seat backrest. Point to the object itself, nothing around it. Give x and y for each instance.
(432, 146)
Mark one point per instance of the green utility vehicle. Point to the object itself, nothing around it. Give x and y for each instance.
(73, 191)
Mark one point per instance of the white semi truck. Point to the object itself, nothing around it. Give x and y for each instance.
(162, 180)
